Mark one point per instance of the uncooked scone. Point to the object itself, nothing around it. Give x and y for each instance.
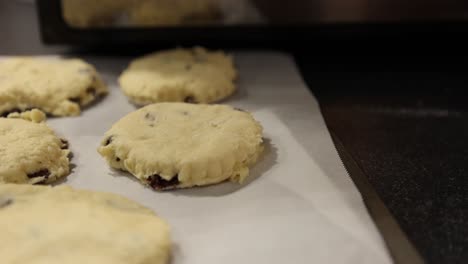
(30, 152)
(95, 13)
(178, 145)
(124, 13)
(56, 86)
(42, 224)
(174, 12)
(180, 75)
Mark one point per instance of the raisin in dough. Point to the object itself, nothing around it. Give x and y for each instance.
(56, 86)
(178, 145)
(181, 75)
(30, 152)
(42, 224)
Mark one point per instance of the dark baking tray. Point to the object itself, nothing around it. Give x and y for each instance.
(400, 124)
(320, 34)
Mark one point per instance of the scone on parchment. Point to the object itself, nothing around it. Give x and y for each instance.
(31, 152)
(56, 225)
(179, 145)
(59, 87)
(179, 75)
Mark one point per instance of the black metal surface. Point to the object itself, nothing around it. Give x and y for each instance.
(398, 245)
(404, 121)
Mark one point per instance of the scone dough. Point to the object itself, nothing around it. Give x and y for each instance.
(174, 12)
(178, 145)
(55, 225)
(56, 86)
(30, 152)
(181, 75)
(93, 13)
(123, 13)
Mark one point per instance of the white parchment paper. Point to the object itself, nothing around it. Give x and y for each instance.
(298, 206)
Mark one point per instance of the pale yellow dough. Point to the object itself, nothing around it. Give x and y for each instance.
(30, 152)
(178, 145)
(57, 225)
(34, 115)
(56, 86)
(180, 75)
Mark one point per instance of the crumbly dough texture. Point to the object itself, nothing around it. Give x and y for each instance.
(52, 225)
(180, 75)
(35, 115)
(56, 86)
(30, 152)
(178, 145)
